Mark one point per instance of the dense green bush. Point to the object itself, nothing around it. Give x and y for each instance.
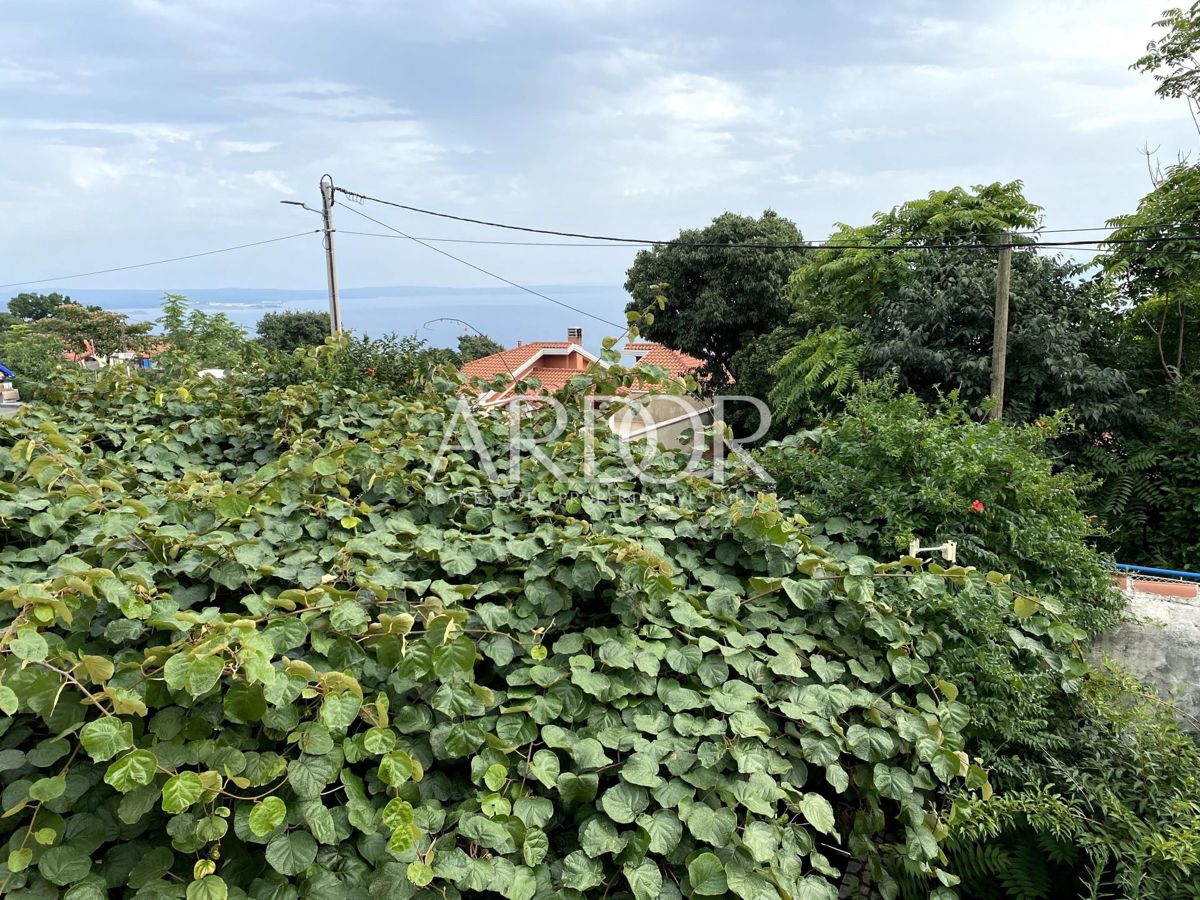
(290, 329)
(254, 647)
(893, 469)
(391, 364)
(34, 358)
(1150, 473)
(1097, 788)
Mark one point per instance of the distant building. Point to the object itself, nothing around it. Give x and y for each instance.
(551, 362)
(651, 413)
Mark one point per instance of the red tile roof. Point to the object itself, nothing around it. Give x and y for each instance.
(674, 361)
(553, 378)
(507, 361)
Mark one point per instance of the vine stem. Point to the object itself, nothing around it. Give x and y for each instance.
(92, 698)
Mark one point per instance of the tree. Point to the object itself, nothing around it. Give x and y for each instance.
(834, 284)
(1147, 460)
(103, 331)
(477, 346)
(199, 340)
(33, 357)
(926, 316)
(1160, 281)
(400, 366)
(1174, 60)
(717, 300)
(287, 330)
(31, 307)
(935, 334)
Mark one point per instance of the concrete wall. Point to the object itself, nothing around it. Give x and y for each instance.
(1163, 647)
(663, 418)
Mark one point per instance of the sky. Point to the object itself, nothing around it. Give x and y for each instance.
(132, 130)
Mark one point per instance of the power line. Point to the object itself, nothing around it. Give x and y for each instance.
(471, 265)
(806, 245)
(442, 240)
(159, 262)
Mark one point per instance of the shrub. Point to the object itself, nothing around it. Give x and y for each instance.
(893, 469)
(290, 329)
(257, 646)
(1150, 473)
(1095, 783)
(33, 357)
(392, 364)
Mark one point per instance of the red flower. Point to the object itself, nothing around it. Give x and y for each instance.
(371, 373)
(977, 506)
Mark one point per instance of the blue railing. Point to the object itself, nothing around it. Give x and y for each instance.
(1150, 570)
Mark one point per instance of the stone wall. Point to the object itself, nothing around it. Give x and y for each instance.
(1163, 645)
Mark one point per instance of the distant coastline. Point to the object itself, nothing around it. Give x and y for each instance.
(505, 314)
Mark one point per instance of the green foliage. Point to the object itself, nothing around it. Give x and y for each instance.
(926, 317)
(31, 306)
(1116, 813)
(89, 329)
(290, 329)
(476, 346)
(1161, 280)
(394, 364)
(1019, 864)
(1172, 59)
(834, 285)
(32, 356)
(1095, 761)
(815, 374)
(358, 677)
(907, 471)
(935, 333)
(1145, 457)
(1149, 476)
(198, 340)
(718, 300)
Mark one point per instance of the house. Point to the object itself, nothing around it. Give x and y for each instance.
(651, 414)
(93, 360)
(551, 362)
(676, 362)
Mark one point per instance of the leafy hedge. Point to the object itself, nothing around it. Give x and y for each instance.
(253, 647)
(1096, 785)
(891, 469)
(240, 628)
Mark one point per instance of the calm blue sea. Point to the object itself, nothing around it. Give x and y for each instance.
(505, 314)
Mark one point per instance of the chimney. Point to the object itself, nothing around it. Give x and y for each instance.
(575, 335)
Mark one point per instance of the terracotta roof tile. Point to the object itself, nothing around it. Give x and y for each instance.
(674, 361)
(507, 361)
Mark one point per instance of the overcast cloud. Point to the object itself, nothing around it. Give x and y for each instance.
(137, 129)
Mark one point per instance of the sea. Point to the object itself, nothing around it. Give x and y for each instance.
(438, 315)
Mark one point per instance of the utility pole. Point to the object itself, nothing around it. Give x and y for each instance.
(335, 306)
(1000, 328)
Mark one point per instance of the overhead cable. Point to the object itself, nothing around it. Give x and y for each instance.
(471, 265)
(159, 262)
(832, 244)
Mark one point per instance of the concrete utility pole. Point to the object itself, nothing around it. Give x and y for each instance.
(1000, 328)
(335, 306)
